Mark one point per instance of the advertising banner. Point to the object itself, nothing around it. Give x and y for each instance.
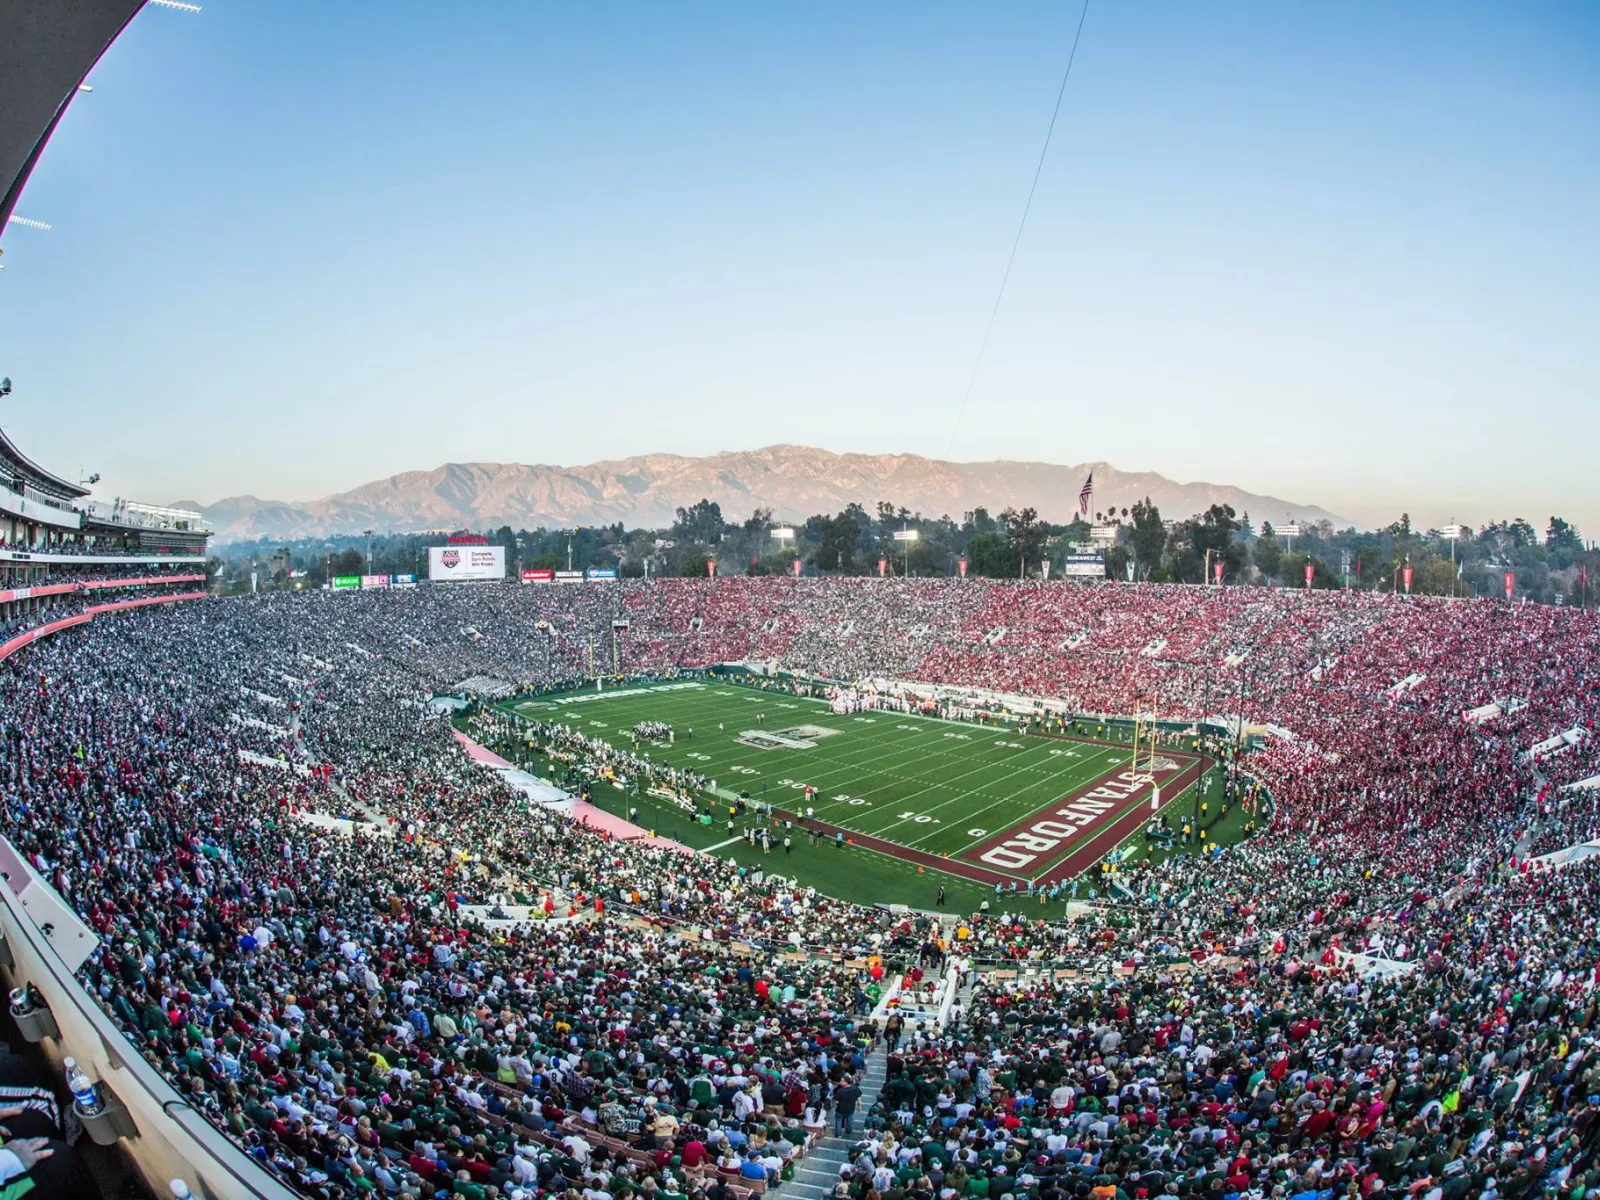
(1511, 583)
(961, 565)
(569, 576)
(601, 574)
(1310, 571)
(795, 565)
(402, 581)
(341, 582)
(711, 567)
(372, 581)
(1216, 569)
(449, 563)
(883, 567)
(536, 575)
(1406, 575)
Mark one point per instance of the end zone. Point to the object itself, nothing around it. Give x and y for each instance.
(1061, 840)
(1070, 834)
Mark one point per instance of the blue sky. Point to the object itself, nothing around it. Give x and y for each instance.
(1343, 253)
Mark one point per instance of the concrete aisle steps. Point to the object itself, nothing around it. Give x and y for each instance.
(818, 1171)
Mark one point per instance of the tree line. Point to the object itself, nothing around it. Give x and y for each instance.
(1137, 544)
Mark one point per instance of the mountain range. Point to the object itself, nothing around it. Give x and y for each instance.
(793, 481)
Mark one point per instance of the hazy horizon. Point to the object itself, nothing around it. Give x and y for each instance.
(1345, 257)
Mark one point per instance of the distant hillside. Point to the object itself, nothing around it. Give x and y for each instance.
(793, 481)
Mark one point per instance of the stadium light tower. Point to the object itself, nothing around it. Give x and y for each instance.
(905, 537)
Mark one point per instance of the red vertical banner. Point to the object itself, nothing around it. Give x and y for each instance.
(961, 565)
(796, 566)
(1405, 574)
(883, 567)
(1216, 569)
(711, 567)
(1511, 583)
(1310, 571)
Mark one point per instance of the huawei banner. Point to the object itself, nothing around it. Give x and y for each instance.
(448, 563)
(1083, 566)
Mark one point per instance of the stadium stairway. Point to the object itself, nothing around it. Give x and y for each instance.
(818, 1171)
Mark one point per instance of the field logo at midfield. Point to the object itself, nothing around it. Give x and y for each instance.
(1044, 834)
(801, 737)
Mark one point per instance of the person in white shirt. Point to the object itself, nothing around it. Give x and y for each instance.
(578, 1148)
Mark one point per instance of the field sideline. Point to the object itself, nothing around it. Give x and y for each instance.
(982, 803)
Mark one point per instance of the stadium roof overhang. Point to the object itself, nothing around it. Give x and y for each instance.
(24, 468)
(46, 48)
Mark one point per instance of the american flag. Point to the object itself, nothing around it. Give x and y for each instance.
(1085, 494)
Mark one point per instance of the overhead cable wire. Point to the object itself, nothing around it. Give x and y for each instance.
(1044, 152)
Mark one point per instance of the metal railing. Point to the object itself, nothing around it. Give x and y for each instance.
(145, 516)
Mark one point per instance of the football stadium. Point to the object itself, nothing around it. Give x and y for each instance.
(679, 828)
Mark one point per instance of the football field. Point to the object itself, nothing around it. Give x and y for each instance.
(986, 804)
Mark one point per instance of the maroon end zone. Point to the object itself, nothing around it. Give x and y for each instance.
(1070, 834)
(1095, 839)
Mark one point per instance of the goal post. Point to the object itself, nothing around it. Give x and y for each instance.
(1144, 732)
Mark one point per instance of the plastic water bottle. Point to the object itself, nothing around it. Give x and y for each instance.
(83, 1089)
(180, 1190)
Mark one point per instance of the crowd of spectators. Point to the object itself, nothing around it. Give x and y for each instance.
(95, 549)
(326, 999)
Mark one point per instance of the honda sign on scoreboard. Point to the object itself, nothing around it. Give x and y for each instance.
(448, 563)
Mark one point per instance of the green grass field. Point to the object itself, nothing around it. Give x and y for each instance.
(967, 804)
